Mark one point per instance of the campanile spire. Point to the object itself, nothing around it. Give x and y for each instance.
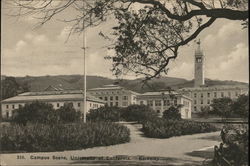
(199, 66)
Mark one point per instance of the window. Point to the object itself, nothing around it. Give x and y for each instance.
(116, 104)
(141, 102)
(194, 94)
(111, 97)
(105, 98)
(195, 109)
(201, 95)
(91, 104)
(208, 101)
(201, 101)
(158, 111)
(58, 105)
(100, 98)
(150, 103)
(111, 104)
(168, 102)
(7, 106)
(157, 102)
(79, 104)
(215, 94)
(222, 94)
(125, 97)
(175, 102)
(195, 102)
(124, 103)
(134, 98)
(208, 94)
(13, 106)
(116, 97)
(7, 114)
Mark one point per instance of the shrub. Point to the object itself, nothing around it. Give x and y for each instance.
(68, 114)
(172, 113)
(35, 112)
(162, 128)
(138, 113)
(42, 138)
(106, 113)
(39, 112)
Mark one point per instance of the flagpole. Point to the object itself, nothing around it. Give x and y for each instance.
(85, 82)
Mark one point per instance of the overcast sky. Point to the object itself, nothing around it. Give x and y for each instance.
(43, 51)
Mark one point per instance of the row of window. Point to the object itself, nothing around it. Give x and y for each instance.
(57, 105)
(107, 92)
(113, 97)
(124, 104)
(201, 101)
(13, 106)
(158, 102)
(215, 94)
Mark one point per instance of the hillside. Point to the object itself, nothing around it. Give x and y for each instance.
(76, 82)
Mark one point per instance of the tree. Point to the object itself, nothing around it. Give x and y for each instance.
(205, 112)
(222, 107)
(35, 112)
(138, 113)
(9, 88)
(106, 113)
(241, 106)
(67, 113)
(172, 113)
(149, 32)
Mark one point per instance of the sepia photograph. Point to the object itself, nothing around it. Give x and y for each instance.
(124, 82)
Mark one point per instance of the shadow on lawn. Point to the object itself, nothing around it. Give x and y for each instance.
(167, 161)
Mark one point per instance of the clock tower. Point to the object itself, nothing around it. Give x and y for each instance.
(199, 66)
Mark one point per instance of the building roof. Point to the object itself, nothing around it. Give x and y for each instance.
(162, 93)
(217, 87)
(112, 87)
(47, 96)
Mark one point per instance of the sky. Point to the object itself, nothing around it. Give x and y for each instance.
(27, 50)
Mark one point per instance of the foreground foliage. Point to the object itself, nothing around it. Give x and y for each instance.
(234, 147)
(42, 138)
(106, 113)
(138, 113)
(162, 128)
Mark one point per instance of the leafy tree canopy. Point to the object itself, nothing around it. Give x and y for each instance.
(222, 106)
(172, 113)
(149, 33)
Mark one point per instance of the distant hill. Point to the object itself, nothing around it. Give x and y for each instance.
(76, 82)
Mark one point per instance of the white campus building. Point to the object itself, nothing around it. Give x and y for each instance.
(114, 95)
(57, 98)
(161, 101)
